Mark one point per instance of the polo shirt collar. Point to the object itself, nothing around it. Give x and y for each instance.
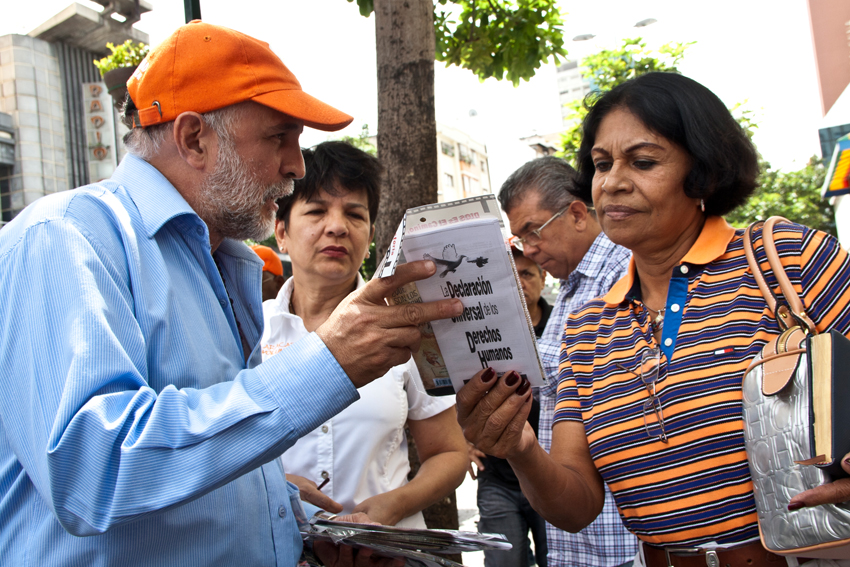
(155, 197)
(710, 245)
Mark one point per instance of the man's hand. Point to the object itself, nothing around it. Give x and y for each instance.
(368, 337)
(475, 456)
(830, 493)
(332, 555)
(311, 493)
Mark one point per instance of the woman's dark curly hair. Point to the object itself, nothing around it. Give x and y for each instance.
(336, 163)
(725, 162)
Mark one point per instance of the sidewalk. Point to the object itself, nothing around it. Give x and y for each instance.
(467, 515)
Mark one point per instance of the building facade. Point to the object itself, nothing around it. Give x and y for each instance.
(56, 118)
(830, 25)
(571, 86)
(464, 169)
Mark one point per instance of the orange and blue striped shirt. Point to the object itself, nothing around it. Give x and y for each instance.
(696, 488)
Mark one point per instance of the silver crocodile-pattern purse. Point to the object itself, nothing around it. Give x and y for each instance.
(777, 431)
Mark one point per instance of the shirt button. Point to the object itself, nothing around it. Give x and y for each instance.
(281, 511)
(325, 474)
(668, 342)
(324, 429)
(684, 269)
(200, 231)
(674, 308)
(221, 302)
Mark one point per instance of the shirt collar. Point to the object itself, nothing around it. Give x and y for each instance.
(281, 302)
(588, 263)
(155, 197)
(710, 245)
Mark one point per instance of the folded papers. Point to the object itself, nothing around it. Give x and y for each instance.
(420, 548)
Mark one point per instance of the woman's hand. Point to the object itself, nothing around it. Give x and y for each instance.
(494, 413)
(311, 493)
(475, 456)
(332, 555)
(381, 508)
(830, 493)
(357, 518)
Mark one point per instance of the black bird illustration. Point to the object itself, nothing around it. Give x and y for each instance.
(480, 261)
(450, 259)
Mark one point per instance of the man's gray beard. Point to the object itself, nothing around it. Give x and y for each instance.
(233, 204)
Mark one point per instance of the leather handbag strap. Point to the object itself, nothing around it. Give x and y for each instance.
(781, 312)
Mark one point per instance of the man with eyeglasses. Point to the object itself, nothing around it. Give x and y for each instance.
(560, 232)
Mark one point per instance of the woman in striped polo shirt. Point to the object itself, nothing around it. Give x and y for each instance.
(649, 395)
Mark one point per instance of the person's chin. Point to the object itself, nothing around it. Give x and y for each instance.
(337, 268)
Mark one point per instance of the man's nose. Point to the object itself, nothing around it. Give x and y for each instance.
(292, 165)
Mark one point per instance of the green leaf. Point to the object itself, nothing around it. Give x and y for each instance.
(366, 7)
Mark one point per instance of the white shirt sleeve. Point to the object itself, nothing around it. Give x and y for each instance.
(420, 404)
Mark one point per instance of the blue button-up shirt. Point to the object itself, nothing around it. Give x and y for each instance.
(127, 411)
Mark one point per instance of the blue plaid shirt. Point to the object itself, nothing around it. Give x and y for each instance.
(605, 542)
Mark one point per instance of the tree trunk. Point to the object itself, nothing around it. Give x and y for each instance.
(407, 128)
(407, 142)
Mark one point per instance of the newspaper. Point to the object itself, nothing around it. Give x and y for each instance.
(468, 242)
(419, 547)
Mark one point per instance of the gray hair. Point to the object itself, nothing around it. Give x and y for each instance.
(550, 177)
(146, 143)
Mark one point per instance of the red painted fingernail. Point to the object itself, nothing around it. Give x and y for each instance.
(512, 378)
(488, 375)
(523, 388)
(794, 506)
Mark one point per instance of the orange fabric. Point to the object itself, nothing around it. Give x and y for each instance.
(271, 261)
(712, 242)
(202, 67)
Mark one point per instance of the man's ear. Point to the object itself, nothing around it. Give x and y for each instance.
(280, 235)
(578, 213)
(196, 142)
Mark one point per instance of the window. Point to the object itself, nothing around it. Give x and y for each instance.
(467, 185)
(448, 180)
(447, 148)
(465, 157)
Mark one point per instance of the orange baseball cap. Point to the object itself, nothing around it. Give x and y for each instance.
(202, 67)
(271, 260)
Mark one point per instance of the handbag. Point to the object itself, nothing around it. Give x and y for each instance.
(780, 402)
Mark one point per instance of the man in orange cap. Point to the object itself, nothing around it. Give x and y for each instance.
(273, 278)
(134, 406)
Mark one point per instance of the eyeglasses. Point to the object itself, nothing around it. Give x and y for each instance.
(533, 238)
(653, 415)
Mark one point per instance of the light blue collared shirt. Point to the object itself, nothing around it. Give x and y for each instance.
(127, 412)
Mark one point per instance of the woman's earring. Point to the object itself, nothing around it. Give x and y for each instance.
(702, 205)
(368, 253)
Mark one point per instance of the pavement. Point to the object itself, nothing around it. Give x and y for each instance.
(467, 515)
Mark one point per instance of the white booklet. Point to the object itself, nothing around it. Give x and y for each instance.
(467, 241)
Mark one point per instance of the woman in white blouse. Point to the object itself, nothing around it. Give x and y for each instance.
(357, 461)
